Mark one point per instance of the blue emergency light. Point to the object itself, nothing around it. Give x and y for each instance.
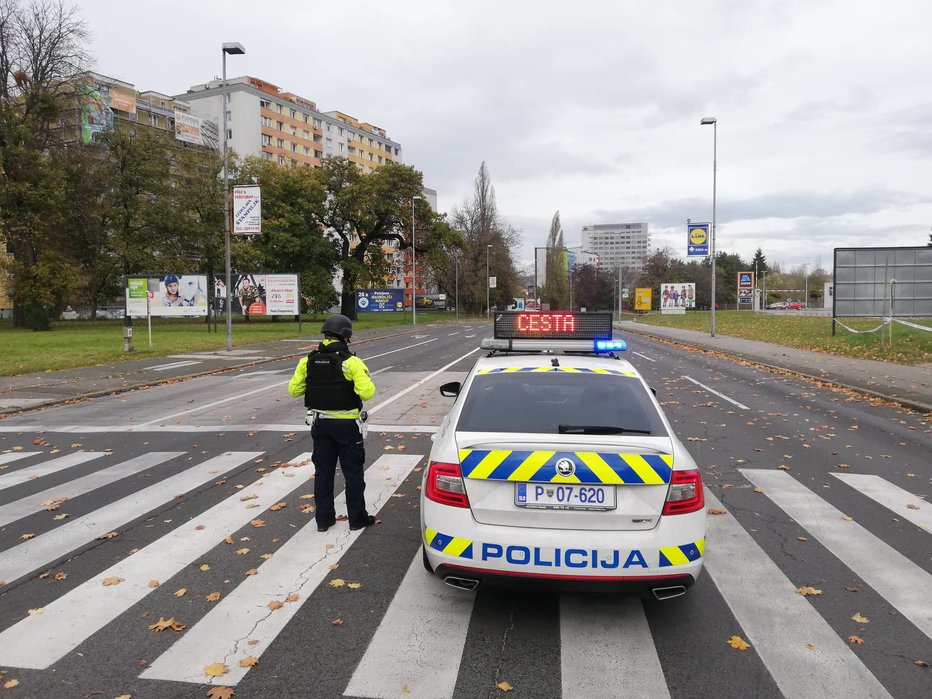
(610, 345)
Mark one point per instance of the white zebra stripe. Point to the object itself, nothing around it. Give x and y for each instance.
(904, 584)
(779, 623)
(39, 641)
(419, 644)
(33, 503)
(12, 456)
(892, 497)
(243, 615)
(30, 555)
(31, 473)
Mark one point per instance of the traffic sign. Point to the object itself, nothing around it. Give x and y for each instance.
(698, 239)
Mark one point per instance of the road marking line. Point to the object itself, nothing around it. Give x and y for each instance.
(892, 497)
(419, 644)
(780, 628)
(174, 365)
(469, 336)
(720, 395)
(452, 334)
(17, 455)
(33, 503)
(643, 356)
(607, 650)
(299, 566)
(400, 349)
(379, 371)
(261, 374)
(39, 641)
(904, 584)
(422, 381)
(30, 473)
(26, 557)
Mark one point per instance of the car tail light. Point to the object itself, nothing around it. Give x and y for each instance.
(445, 485)
(685, 494)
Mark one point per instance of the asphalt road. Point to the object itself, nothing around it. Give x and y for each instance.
(178, 487)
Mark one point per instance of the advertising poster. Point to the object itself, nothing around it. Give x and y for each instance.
(642, 299)
(697, 243)
(187, 127)
(380, 300)
(677, 295)
(258, 294)
(177, 295)
(247, 210)
(96, 115)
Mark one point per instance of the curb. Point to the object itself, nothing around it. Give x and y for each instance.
(905, 402)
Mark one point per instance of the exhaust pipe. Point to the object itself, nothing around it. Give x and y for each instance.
(461, 583)
(663, 593)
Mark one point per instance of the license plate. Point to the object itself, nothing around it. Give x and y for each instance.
(564, 496)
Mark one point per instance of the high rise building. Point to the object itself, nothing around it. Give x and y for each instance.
(618, 244)
(266, 122)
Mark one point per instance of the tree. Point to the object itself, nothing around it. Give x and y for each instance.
(41, 47)
(556, 289)
(759, 262)
(481, 226)
(593, 289)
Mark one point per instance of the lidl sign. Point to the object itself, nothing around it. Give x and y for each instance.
(698, 239)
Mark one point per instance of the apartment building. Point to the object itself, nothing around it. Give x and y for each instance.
(618, 244)
(267, 122)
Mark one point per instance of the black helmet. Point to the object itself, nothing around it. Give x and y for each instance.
(339, 326)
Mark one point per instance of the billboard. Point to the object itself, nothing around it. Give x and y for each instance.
(96, 115)
(124, 101)
(380, 300)
(247, 210)
(259, 294)
(171, 295)
(642, 299)
(880, 282)
(677, 295)
(196, 130)
(697, 239)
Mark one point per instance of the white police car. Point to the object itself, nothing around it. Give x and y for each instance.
(556, 463)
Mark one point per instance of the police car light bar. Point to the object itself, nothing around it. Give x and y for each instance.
(552, 325)
(532, 345)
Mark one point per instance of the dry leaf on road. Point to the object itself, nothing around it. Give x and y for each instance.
(216, 670)
(716, 511)
(257, 523)
(112, 581)
(36, 612)
(274, 604)
(205, 567)
(153, 584)
(248, 661)
(293, 597)
(504, 686)
(26, 537)
(337, 582)
(337, 622)
(241, 552)
(807, 591)
(228, 539)
(108, 535)
(860, 619)
(856, 640)
(181, 592)
(758, 489)
(212, 597)
(278, 506)
(220, 693)
(738, 643)
(9, 684)
(61, 576)
(252, 571)
(162, 624)
(354, 585)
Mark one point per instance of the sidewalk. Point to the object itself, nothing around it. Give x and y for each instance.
(44, 389)
(909, 385)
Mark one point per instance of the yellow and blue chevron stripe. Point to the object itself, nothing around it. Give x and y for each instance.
(544, 369)
(591, 467)
(680, 555)
(450, 545)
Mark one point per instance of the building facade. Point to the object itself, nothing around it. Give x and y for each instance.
(265, 121)
(618, 245)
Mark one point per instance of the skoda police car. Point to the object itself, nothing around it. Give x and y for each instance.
(556, 463)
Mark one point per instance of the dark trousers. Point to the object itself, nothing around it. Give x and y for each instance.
(338, 439)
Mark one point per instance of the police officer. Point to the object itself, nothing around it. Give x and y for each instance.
(334, 383)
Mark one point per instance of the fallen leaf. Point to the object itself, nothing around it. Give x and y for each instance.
(354, 586)
(848, 519)
(783, 467)
(153, 584)
(109, 535)
(257, 523)
(860, 619)
(843, 465)
(162, 624)
(43, 576)
(851, 589)
(808, 591)
(856, 640)
(26, 537)
(274, 604)
(293, 597)
(200, 527)
(504, 686)
(278, 506)
(809, 646)
(112, 581)
(181, 592)
(334, 566)
(802, 538)
(9, 684)
(307, 496)
(216, 670)
(241, 552)
(337, 582)
(61, 576)
(758, 489)
(248, 497)
(738, 643)
(212, 597)
(912, 507)
(716, 511)
(62, 516)
(252, 571)
(228, 539)
(266, 555)
(219, 692)
(921, 663)
(337, 622)
(248, 661)
(36, 612)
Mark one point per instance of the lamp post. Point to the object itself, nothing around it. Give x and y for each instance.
(806, 302)
(413, 266)
(456, 284)
(488, 308)
(714, 122)
(231, 47)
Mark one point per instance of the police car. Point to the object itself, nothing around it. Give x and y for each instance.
(556, 463)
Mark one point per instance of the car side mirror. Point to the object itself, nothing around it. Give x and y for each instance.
(451, 390)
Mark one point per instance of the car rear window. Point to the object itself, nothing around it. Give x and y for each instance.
(541, 402)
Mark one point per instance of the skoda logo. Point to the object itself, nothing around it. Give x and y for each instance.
(566, 467)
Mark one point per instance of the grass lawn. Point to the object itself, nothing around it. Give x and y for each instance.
(909, 346)
(80, 343)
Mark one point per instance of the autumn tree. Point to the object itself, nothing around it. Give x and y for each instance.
(556, 288)
(41, 46)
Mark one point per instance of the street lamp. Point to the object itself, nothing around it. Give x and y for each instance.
(488, 307)
(413, 266)
(456, 284)
(714, 122)
(231, 47)
(806, 268)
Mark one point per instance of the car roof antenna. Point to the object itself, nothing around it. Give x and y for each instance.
(555, 362)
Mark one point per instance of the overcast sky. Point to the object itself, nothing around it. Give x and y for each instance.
(592, 108)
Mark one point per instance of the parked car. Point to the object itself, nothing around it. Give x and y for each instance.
(793, 306)
(69, 314)
(777, 306)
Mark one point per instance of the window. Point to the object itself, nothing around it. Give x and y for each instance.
(316, 123)
(266, 155)
(266, 140)
(280, 125)
(266, 122)
(306, 135)
(341, 130)
(281, 160)
(278, 108)
(306, 118)
(307, 151)
(294, 131)
(229, 134)
(294, 147)
(328, 127)
(264, 104)
(294, 114)
(281, 143)
(341, 147)
(318, 154)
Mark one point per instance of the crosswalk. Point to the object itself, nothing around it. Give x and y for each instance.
(607, 646)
